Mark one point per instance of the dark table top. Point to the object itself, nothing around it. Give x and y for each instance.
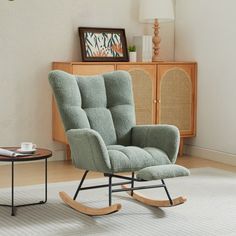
(39, 154)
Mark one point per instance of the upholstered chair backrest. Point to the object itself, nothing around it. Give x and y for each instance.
(103, 103)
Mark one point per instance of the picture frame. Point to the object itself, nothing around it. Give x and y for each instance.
(103, 44)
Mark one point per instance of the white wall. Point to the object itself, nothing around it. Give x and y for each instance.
(33, 33)
(205, 32)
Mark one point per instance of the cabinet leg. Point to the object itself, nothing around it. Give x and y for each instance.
(68, 152)
(181, 147)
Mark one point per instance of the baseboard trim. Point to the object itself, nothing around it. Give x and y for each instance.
(223, 157)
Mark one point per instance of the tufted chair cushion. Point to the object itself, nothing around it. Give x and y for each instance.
(133, 158)
(103, 103)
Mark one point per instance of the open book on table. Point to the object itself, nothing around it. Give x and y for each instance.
(8, 153)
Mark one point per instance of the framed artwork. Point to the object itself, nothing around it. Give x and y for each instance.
(103, 44)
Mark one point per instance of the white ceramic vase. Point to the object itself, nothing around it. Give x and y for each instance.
(132, 56)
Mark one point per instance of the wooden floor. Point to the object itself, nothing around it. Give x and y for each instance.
(59, 171)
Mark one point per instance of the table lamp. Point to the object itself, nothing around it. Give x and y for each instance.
(155, 11)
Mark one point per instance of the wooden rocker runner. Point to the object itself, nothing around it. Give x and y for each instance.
(88, 210)
(156, 203)
(98, 114)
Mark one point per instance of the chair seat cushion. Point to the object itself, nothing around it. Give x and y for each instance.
(132, 158)
(162, 172)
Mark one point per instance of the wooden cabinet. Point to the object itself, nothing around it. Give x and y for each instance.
(164, 92)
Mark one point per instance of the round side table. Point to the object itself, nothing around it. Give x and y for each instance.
(40, 154)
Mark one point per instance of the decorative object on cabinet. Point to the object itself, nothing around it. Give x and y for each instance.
(132, 53)
(144, 48)
(99, 121)
(156, 11)
(164, 93)
(103, 44)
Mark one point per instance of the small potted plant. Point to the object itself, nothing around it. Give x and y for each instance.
(132, 53)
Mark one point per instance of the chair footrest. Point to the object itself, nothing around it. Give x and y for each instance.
(162, 172)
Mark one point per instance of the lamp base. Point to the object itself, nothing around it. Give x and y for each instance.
(156, 58)
(156, 41)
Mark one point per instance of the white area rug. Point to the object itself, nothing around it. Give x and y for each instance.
(210, 209)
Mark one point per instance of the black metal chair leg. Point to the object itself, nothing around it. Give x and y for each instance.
(12, 189)
(46, 180)
(132, 184)
(110, 190)
(167, 193)
(80, 184)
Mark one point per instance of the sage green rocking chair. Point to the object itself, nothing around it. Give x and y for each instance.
(99, 119)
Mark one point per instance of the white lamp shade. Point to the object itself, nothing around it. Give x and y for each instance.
(155, 9)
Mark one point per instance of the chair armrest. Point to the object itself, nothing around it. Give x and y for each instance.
(88, 150)
(164, 137)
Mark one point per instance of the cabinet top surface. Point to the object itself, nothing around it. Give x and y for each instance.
(125, 63)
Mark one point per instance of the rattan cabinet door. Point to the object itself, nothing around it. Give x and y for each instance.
(144, 90)
(176, 96)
